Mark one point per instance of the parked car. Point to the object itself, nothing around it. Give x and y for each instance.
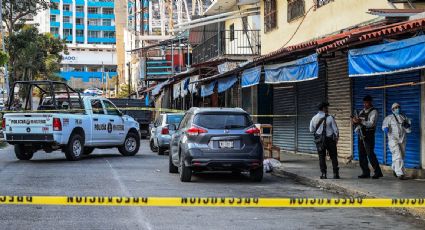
(93, 91)
(216, 139)
(161, 134)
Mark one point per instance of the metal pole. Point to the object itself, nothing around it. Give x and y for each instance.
(6, 78)
(129, 80)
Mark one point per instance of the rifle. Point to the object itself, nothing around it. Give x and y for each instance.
(359, 128)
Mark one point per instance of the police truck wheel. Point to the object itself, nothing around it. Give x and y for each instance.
(75, 148)
(131, 145)
(152, 146)
(23, 153)
(88, 150)
(161, 151)
(171, 167)
(185, 172)
(256, 175)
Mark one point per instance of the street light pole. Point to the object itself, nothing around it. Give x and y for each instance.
(6, 78)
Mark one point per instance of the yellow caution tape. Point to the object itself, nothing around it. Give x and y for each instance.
(214, 202)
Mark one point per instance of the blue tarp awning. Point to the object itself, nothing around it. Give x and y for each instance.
(251, 77)
(299, 70)
(208, 89)
(388, 58)
(225, 83)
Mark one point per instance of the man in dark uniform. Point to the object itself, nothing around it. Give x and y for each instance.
(366, 121)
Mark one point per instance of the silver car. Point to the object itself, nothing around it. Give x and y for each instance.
(160, 132)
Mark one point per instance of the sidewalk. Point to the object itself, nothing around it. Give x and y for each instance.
(305, 169)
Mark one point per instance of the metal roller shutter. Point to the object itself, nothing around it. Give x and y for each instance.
(339, 98)
(309, 95)
(378, 102)
(284, 103)
(409, 99)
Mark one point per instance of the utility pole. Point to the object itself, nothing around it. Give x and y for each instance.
(129, 80)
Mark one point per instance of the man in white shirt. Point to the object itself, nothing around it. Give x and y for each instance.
(326, 134)
(397, 126)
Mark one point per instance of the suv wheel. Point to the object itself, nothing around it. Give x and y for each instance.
(75, 148)
(171, 167)
(152, 146)
(131, 145)
(185, 172)
(23, 153)
(256, 175)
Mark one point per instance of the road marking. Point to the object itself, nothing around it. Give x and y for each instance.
(247, 202)
(140, 216)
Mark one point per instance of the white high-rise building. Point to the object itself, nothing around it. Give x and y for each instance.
(89, 29)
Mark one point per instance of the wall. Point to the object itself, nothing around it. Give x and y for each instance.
(120, 24)
(328, 19)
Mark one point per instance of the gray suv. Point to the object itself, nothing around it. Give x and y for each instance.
(160, 132)
(216, 139)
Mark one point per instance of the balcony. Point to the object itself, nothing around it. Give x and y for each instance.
(228, 43)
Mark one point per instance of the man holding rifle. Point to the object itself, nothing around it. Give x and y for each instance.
(366, 126)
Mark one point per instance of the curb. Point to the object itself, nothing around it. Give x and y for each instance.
(339, 189)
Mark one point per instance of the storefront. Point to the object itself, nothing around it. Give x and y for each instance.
(391, 73)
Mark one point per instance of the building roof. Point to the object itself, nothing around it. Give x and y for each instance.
(395, 12)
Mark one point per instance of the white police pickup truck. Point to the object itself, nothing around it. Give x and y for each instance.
(76, 125)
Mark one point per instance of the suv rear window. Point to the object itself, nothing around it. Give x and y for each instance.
(223, 121)
(174, 118)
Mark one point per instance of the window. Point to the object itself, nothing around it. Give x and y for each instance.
(269, 15)
(54, 6)
(296, 9)
(92, 10)
(93, 22)
(107, 22)
(67, 32)
(320, 3)
(109, 34)
(232, 32)
(245, 24)
(94, 34)
(80, 33)
(66, 8)
(79, 21)
(79, 9)
(223, 121)
(66, 19)
(97, 107)
(54, 30)
(174, 119)
(53, 18)
(108, 10)
(111, 109)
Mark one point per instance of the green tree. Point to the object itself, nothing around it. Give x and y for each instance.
(123, 91)
(34, 55)
(4, 58)
(15, 12)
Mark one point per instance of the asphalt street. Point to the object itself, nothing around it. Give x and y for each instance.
(106, 173)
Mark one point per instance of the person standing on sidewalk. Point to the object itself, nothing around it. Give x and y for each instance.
(396, 126)
(326, 135)
(367, 120)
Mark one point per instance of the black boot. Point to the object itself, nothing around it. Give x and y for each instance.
(323, 176)
(336, 175)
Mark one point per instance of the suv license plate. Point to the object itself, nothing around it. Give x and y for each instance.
(226, 144)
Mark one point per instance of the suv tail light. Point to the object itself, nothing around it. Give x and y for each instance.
(165, 131)
(57, 124)
(254, 131)
(3, 123)
(195, 131)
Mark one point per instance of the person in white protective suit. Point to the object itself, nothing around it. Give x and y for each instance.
(396, 126)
